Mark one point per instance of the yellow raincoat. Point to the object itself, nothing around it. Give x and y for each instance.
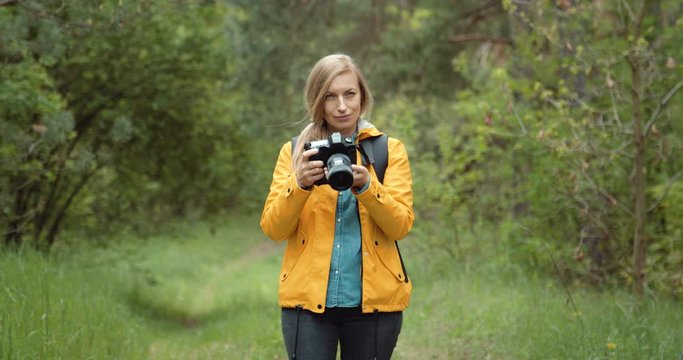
(306, 220)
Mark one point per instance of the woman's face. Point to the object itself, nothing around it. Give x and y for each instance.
(343, 103)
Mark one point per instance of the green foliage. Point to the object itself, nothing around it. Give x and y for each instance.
(578, 82)
(33, 125)
(543, 141)
(666, 250)
(116, 117)
(113, 112)
(518, 118)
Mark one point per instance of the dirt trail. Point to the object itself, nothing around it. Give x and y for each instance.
(205, 297)
(207, 293)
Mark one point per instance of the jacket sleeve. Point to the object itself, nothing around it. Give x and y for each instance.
(285, 200)
(390, 205)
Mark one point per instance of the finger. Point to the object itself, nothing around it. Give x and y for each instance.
(308, 153)
(359, 169)
(316, 164)
(315, 171)
(310, 168)
(310, 176)
(317, 177)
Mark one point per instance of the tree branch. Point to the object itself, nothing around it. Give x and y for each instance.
(479, 38)
(661, 105)
(612, 200)
(479, 14)
(483, 8)
(666, 192)
(57, 221)
(8, 2)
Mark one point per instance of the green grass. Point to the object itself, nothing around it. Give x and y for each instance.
(202, 291)
(194, 292)
(492, 312)
(51, 311)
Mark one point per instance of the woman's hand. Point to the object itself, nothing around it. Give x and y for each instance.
(309, 171)
(361, 176)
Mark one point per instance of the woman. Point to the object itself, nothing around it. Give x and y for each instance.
(342, 279)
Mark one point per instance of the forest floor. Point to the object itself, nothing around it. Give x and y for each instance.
(208, 290)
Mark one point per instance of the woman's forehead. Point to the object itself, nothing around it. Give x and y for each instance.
(344, 81)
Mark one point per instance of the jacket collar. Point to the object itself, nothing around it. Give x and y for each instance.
(366, 130)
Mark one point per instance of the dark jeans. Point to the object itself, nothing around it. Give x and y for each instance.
(312, 336)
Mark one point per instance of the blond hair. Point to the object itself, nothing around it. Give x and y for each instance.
(319, 80)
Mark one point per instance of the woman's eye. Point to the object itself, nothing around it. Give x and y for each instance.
(329, 97)
(350, 94)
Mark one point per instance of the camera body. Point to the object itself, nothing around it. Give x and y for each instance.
(337, 154)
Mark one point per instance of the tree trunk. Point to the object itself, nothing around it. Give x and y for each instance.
(639, 241)
(59, 217)
(640, 208)
(17, 219)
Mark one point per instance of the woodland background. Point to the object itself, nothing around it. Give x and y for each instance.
(542, 134)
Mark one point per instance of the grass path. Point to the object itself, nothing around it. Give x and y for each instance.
(220, 302)
(211, 288)
(207, 291)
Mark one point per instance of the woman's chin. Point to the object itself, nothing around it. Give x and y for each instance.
(346, 127)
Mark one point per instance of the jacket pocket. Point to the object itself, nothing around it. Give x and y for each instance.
(387, 251)
(295, 247)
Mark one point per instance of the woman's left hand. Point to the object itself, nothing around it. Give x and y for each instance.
(361, 176)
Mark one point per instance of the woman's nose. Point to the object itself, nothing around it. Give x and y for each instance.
(341, 105)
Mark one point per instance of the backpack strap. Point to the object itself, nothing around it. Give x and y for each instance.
(377, 150)
(294, 139)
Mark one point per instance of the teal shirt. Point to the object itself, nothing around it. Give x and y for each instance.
(344, 283)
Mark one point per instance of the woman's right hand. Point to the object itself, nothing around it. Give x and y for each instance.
(309, 171)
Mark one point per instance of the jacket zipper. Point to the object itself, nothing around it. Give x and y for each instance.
(362, 253)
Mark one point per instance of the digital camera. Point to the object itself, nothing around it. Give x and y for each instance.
(337, 154)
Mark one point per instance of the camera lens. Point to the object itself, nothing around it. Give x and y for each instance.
(340, 173)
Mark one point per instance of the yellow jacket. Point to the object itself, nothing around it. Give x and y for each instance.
(306, 219)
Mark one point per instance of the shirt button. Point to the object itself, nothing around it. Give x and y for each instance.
(338, 246)
(339, 220)
(336, 271)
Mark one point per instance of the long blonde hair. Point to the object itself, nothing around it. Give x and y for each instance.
(319, 80)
